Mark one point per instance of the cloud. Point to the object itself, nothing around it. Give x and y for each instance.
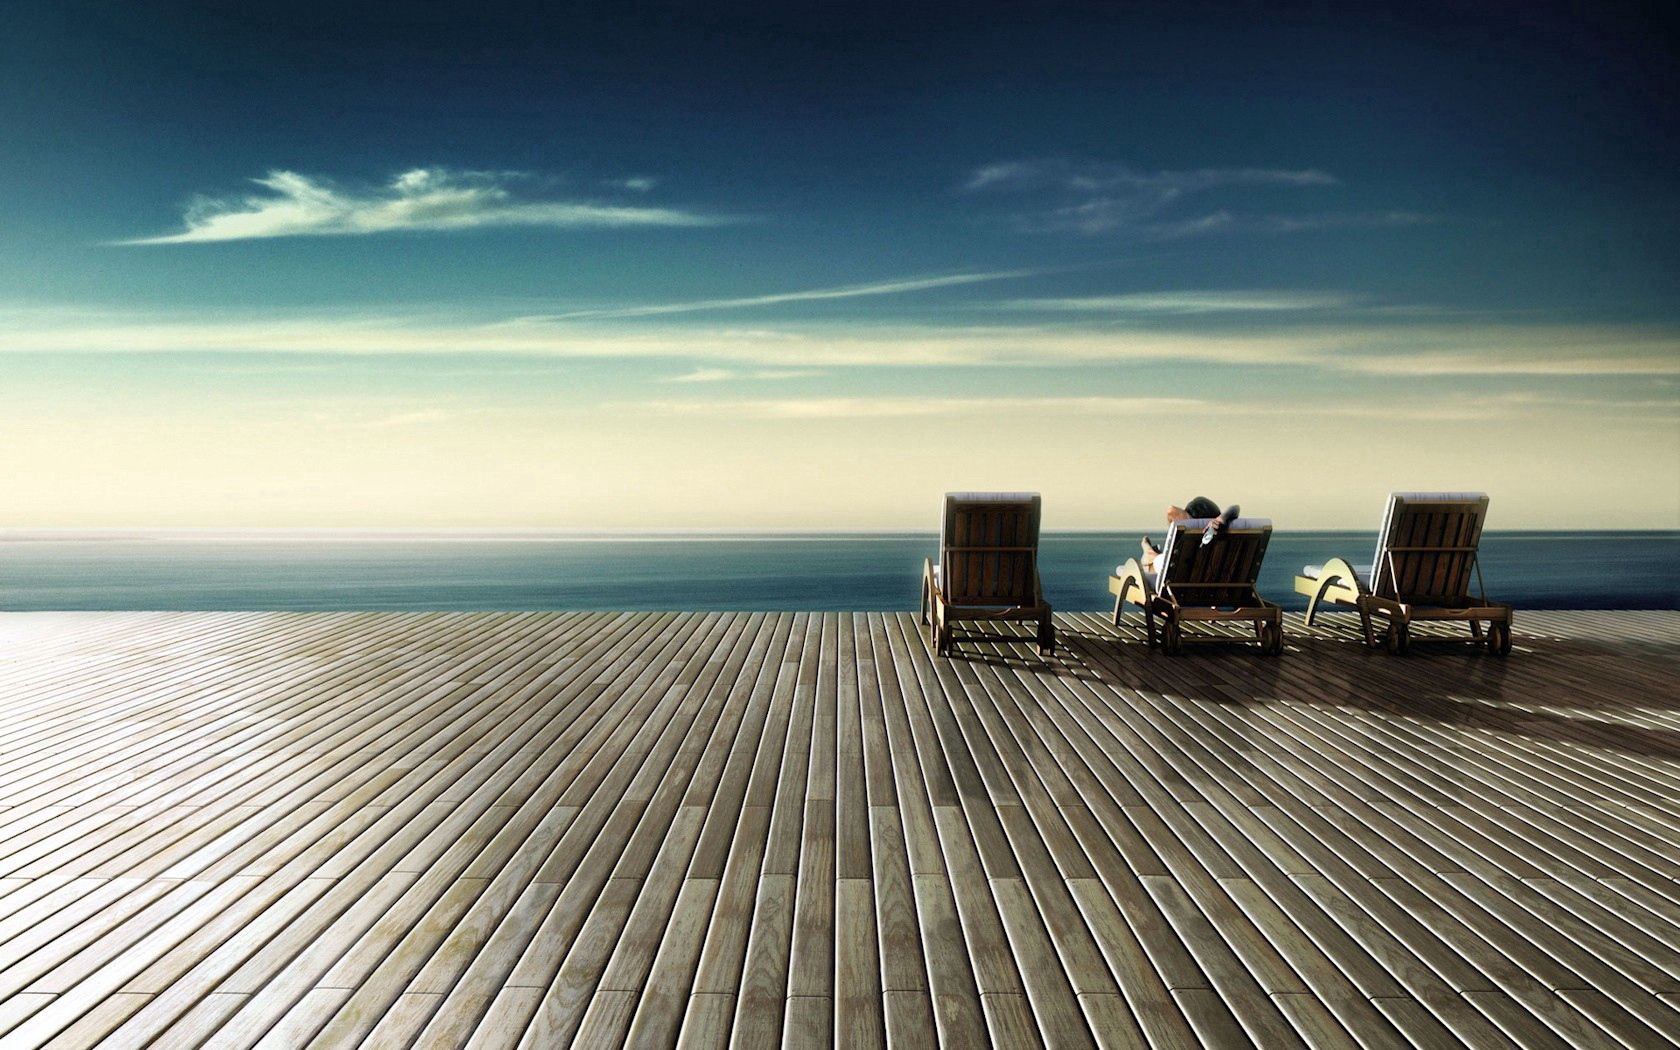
(1060, 195)
(902, 407)
(1463, 409)
(851, 291)
(720, 375)
(1172, 231)
(1338, 221)
(433, 199)
(1190, 302)
(1372, 347)
(401, 419)
(1096, 176)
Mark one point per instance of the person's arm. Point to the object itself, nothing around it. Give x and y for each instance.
(1232, 513)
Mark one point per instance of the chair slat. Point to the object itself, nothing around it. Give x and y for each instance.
(1429, 553)
(990, 553)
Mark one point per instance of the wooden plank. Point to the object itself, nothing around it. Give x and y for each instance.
(760, 1010)
(858, 1018)
(903, 967)
(957, 1007)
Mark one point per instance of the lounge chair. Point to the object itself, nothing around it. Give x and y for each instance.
(1206, 584)
(1426, 553)
(988, 566)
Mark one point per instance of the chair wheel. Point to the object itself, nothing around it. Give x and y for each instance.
(1397, 639)
(1172, 638)
(1271, 641)
(1499, 639)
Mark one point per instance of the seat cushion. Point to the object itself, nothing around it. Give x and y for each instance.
(1239, 525)
(1148, 574)
(992, 497)
(1312, 572)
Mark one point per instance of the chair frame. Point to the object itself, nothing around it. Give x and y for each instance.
(939, 612)
(1179, 603)
(1339, 584)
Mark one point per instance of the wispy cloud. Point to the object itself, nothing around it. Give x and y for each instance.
(900, 286)
(397, 420)
(1097, 176)
(722, 375)
(1223, 221)
(1463, 409)
(901, 407)
(1375, 347)
(1188, 302)
(295, 205)
(1338, 221)
(1061, 195)
(1100, 217)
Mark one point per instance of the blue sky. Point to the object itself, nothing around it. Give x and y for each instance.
(713, 264)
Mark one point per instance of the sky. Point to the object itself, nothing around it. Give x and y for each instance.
(719, 265)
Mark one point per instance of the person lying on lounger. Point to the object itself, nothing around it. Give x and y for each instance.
(1200, 507)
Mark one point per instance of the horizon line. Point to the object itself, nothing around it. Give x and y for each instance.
(519, 533)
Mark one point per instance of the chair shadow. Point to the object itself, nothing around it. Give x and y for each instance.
(1005, 644)
(1441, 679)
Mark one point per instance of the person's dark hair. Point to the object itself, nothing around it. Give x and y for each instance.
(1202, 507)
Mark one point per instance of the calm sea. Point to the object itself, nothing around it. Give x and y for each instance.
(780, 571)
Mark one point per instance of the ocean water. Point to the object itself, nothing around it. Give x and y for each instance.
(202, 570)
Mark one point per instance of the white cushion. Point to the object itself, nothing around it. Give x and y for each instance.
(1148, 575)
(991, 497)
(1312, 572)
(1438, 497)
(1192, 524)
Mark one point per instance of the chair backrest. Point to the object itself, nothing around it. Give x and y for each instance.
(1222, 573)
(988, 548)
(1426, 550)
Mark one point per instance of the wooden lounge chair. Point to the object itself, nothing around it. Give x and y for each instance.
(1206, 584)
(1426, 553)
(988, 566)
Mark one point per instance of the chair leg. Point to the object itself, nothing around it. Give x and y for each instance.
(1172, 635)
(1117, 604)
(1046, 635)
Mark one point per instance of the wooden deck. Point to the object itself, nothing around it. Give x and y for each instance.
(552, 829)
